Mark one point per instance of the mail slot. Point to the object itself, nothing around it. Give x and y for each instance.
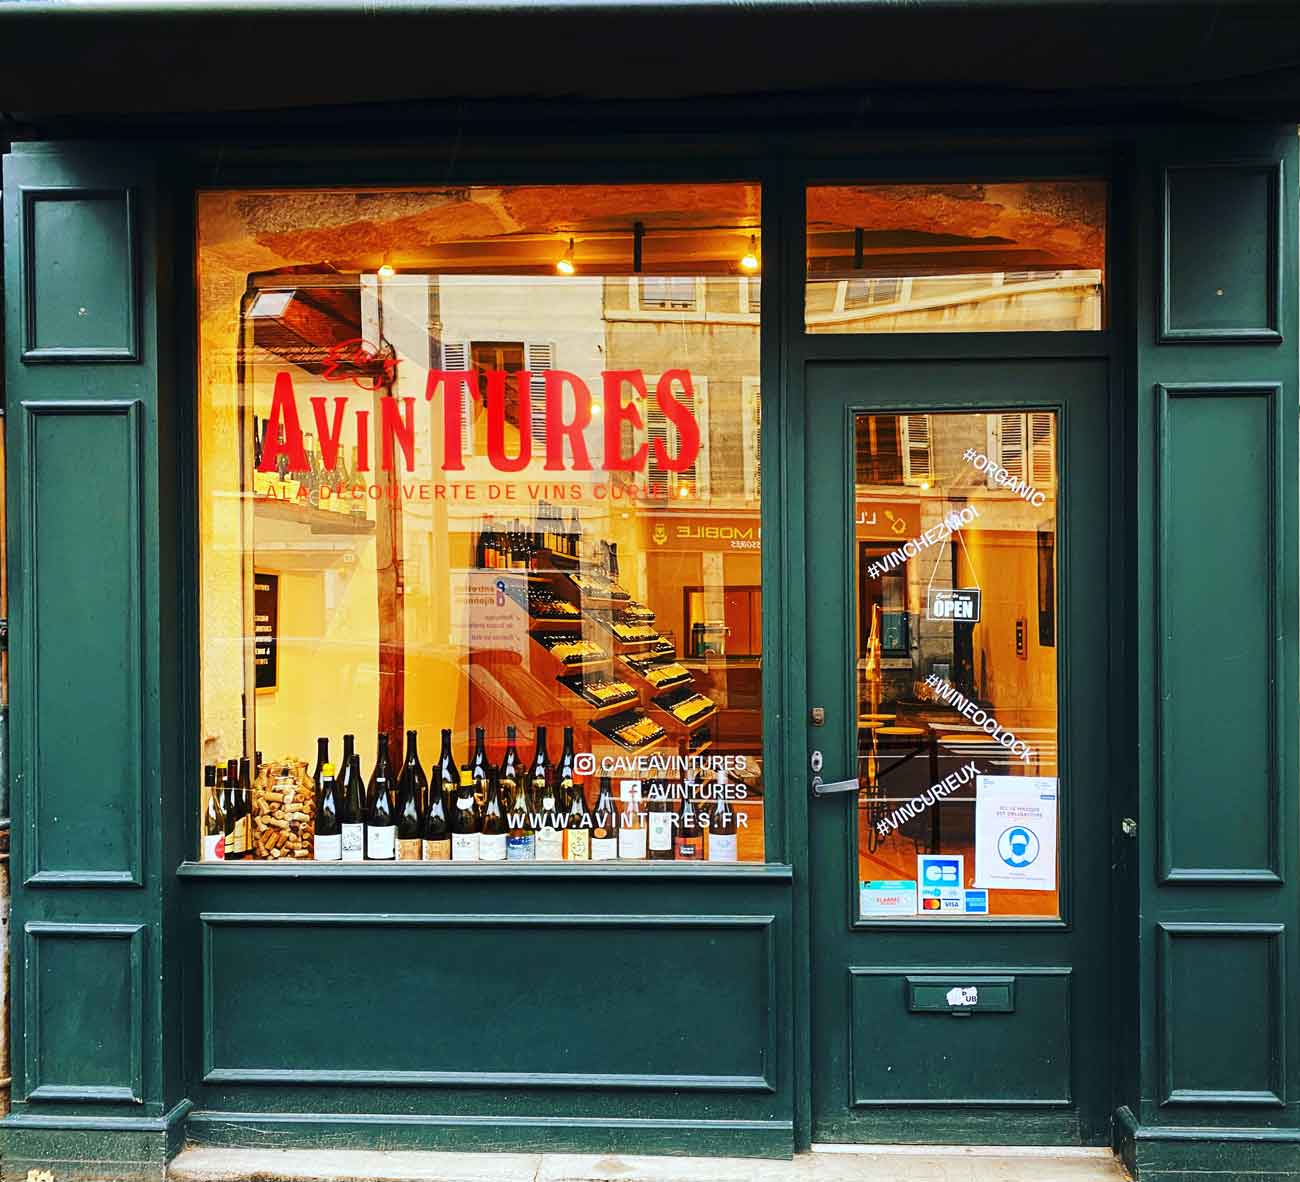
(961, 995)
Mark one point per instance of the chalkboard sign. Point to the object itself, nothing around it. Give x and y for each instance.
(266, 630)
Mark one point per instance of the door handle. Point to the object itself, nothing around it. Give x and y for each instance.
(821, 788)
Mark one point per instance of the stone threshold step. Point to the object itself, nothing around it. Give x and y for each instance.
(875, 1164)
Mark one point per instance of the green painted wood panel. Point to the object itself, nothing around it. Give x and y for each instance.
(85, 990)
(1212, 292)
(1218, 711)
(1213, 556)
(91, 633)
(599, 1001)
(1222, 1037)
(81, 281)
(80, 529)
(989, 1059)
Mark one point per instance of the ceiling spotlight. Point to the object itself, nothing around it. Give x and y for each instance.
(564, 264)
(749, 260)
(386, 269)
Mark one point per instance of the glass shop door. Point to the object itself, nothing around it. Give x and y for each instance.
(957, 608)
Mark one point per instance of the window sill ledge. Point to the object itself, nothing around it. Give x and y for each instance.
(736, 871)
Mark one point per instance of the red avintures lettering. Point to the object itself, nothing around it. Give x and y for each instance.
(682, 417)
(496, 422)
(283, 422)
(674, 398)
(363, 441)
(557, 430)
(616, 414)
(330, 436)
(456, 387)
(399, 426)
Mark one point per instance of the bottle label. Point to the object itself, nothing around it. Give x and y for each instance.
(577, 845)
(631, 843)
(464, 847)
(408, 849)
(328, 849)
(604, 849)
(353, 843)
(687, 847)
(521, 849)
(661, 831)
(437, 851)
(722, 847)
(381, 842)
(550, 845)
(236, 843)
(214, 848)
(492, 847)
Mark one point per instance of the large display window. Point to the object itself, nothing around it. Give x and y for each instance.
(479, 515)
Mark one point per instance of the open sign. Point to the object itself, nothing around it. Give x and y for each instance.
(960, 604)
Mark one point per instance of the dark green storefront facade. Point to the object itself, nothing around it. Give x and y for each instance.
(148, 988)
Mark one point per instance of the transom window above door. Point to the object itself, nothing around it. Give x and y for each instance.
(1024, 256)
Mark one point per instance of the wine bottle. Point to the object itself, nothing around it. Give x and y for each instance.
(328, 846)
(478, 768)
(381, 821)
(659, 822)
(358, 491)
(410, 800)
(577, 826)
(512, 769)
(632, 831)
(604, 825)
(688, 844)
(246, 805)
(720, 844)
(322, 758)
(465, 820)
(435, 835)
(236, 843)
(352, 810)
(521, 844)
(493, 840)
(550, 819)
(214, 818)
(564, 769)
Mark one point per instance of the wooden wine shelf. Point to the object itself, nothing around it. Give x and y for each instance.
(674, 725)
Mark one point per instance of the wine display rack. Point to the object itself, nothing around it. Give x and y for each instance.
(568, 601)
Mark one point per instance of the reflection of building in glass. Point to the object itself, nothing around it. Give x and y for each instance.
(698, 553)
(1025, 256)
(912, 471)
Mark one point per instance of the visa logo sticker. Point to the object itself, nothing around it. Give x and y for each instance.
(977, 902)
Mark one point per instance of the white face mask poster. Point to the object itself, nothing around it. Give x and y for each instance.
(1015, 832)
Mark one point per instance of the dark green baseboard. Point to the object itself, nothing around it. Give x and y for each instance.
(1169, 1153)
(955, 1125)
(90, 1148)
(722, 1138)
